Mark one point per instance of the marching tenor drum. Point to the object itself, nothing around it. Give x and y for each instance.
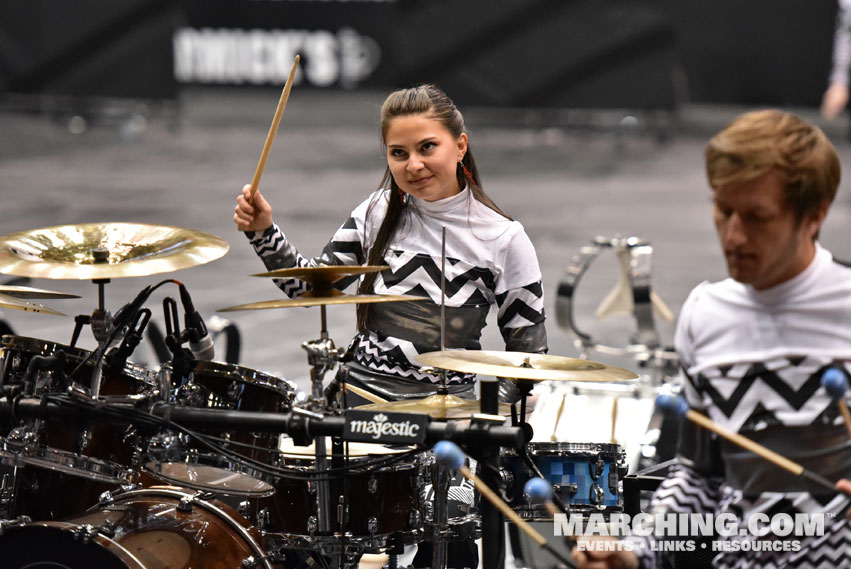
(152, 528)
(185, 461)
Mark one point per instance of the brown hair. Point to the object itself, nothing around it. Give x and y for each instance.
(431, 101)
(760, 141)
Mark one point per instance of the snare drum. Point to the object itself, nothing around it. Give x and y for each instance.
(214, 385)
(585, 476)
(372, 504)
(155, 528)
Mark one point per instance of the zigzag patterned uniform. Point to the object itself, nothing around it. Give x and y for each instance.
(490, 261)
(753, 362)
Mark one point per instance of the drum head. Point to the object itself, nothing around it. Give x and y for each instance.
(289, 449)
(210, 478)
(52, 545)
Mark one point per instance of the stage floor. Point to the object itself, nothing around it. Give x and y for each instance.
(567, 176)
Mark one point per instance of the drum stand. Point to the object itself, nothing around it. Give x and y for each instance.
(101, 324)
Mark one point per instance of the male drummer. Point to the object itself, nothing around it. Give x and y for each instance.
(753, 350)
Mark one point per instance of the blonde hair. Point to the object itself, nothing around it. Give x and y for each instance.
(760, 141)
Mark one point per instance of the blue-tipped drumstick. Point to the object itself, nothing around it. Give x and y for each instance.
(836, 384)
(450, 455)
(673, 404)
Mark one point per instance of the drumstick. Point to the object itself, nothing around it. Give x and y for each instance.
(449, 455)
(834, 382)
(365, 394)
(678, 405)
(279, 112)
(614, 418)
(558, 418)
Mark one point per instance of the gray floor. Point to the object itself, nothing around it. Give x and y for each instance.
(567, 176)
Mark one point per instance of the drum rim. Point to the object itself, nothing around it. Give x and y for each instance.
(194, 499)
(563, 448)
(29, 344)
(75, 464)
(112, 546)
(282, 386)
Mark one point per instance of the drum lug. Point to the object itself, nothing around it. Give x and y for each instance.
(106, 499)
(570, 489)
(185, 504)
(312, 525)
(372, 525)
(249, 562)
(372, 485)
(596, 495)
(596, 468)
(85, 439)
(613, 481)
(244, 508)
(264, 519)
(415, 519)
(85, 533)
(507, 478)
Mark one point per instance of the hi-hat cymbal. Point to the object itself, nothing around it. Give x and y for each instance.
(18, 304)
(522, 365)
(324, 273)
(129, 250)
(309, 300)
(28, 292)
(436, 406)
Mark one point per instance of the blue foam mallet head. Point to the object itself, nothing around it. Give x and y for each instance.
(538, 490)
(834, 382)
(672, 404)
(449, 455)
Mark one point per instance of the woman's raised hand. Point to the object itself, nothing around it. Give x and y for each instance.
(252, 214)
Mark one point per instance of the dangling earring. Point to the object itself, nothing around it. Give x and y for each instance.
(401, 194)
(466, 172)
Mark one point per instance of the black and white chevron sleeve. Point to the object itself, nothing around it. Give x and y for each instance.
(521, 318)
(276, 252)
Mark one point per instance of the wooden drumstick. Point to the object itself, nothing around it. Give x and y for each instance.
(270, 138)
(678, 405)
(558, 418)
(365, 394)
(614, 418)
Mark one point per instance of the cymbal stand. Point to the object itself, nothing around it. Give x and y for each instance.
(101, 323)
(440, 475)
(322, 355)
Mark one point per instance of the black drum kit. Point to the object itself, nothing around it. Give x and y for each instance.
(201, 464)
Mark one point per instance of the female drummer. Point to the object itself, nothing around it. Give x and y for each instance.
(431, 182)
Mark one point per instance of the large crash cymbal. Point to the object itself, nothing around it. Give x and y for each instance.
(310, 300)
(28, 292)
(436, 406)
(19, 304)
(129, 249)
(522, 365)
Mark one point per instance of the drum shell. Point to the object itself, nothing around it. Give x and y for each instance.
(142, 529)
(380, 502)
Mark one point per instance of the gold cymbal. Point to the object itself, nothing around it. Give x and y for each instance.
(18, 304)
(310, 300)
(130, 250)
(522, 365)
(322, 273)
(27, 292)
(436, 406)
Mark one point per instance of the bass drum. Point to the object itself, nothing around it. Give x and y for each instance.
(154, 528)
